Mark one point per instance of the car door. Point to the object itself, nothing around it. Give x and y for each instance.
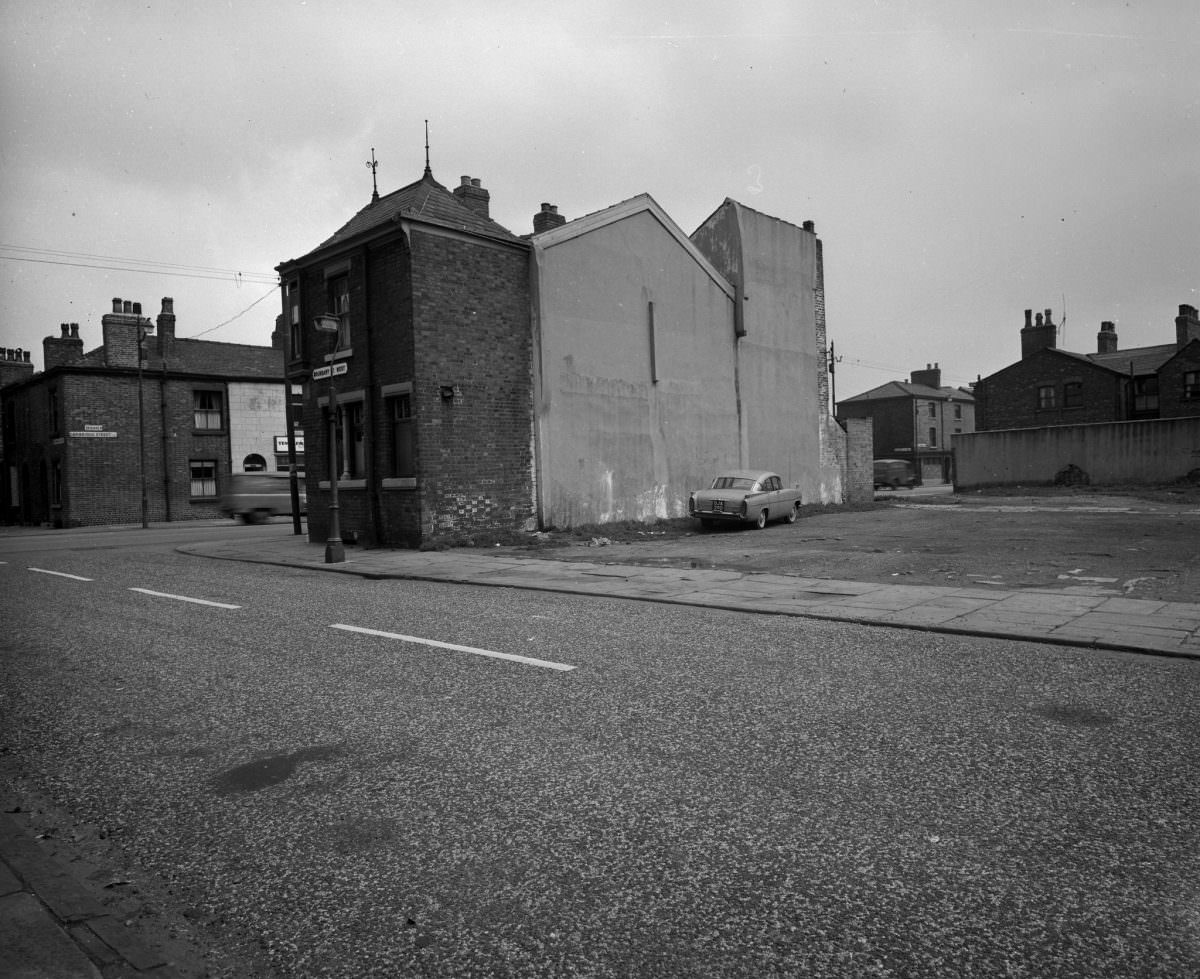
(773, 487)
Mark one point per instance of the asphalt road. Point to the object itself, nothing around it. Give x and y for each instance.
(700, 794)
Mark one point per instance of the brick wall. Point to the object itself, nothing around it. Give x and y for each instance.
(471, 309)
(860, 456)
(1171, 400)
(1009, 398)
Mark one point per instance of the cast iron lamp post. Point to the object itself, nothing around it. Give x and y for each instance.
(335, 551)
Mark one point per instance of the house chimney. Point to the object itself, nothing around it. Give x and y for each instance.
(1106, 339)
(472, 194)
(931, 376)
(123, 330)
(547, 218)
(14, 366)
(63, 349)
(1187, 326)
(1039, 335)
(166, 326)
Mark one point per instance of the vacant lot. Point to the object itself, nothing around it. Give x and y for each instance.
(1137, 543)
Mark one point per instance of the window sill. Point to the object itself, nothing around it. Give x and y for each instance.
(210, 431)
(344, 484)
(400, 482)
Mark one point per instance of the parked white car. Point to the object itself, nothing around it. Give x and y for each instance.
(745, 496)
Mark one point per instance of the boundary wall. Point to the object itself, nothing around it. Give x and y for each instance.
(1114, 453)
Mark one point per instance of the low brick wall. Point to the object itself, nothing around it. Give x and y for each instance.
(1158, 451)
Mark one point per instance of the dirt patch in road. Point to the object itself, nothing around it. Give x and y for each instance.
(1144, 546)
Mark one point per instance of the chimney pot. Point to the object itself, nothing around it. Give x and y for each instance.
(1029, 317)
(476, 182)
(74, 331)
(168, 305)
(1048, 320)
(809, 226)
(65, 330)
(465, 181)
(116, 304)
(127, 306)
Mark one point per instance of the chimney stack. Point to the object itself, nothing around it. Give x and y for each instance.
(472, 194)
(123, 330)
(1039, 335)
(14, 366)
(166, 326)
(931, 376)
(63, 349)
(1187, 326)
(547, 218)
(1106, 339)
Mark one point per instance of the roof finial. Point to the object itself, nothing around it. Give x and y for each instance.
(428, 172)
(373, 163)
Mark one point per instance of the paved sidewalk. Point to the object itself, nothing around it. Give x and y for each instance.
(1068, 616)
(55, 925)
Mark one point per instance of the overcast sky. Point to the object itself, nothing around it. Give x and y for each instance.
(962, 160)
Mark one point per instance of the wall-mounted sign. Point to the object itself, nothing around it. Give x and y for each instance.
(320, 373)
(92, 434)
(281, 443)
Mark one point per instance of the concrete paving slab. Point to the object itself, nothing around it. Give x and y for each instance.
(33, 946)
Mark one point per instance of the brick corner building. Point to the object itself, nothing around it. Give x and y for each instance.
(146, 426)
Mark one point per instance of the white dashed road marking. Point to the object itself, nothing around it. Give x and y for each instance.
(61, 574)
(527, 660)
(183, 598)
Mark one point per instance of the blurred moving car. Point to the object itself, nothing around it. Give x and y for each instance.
(894, 473)
(745, 496)
(257, 497)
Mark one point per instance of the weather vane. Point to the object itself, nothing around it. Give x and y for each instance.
(373, 163)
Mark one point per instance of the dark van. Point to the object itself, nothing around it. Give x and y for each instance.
(257, 497)
(894, 473)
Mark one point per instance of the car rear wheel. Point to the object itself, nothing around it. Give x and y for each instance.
(793, 513)
(762, 519)
(706, 524)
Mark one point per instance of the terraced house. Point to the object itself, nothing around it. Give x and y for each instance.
(1049, 386)
(144, 427)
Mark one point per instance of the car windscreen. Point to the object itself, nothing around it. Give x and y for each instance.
(732, 482)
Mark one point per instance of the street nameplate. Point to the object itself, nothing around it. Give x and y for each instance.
(320, 373)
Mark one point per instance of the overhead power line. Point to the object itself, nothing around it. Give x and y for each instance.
(48, 256)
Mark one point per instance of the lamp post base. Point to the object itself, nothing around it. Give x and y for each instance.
(335, 551)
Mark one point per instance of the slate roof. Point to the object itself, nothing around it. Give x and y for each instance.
(423, 200)
(232, 361)
(902, 389)
(1145, 360)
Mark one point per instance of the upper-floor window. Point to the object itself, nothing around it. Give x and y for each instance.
(958, 411)
(52, 416)
(1073, 394)
(338, 303)
(1145, 393)
(56, 483)
(933, 409)
(1045, 396)
(207, 410)
(1191, 385)
(295, 333)
(933, 437)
